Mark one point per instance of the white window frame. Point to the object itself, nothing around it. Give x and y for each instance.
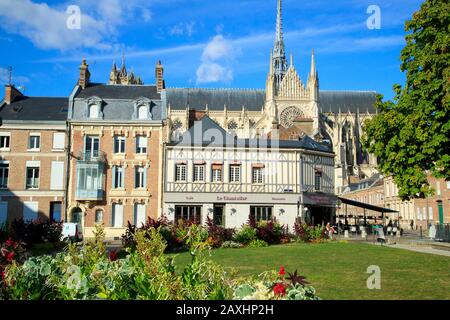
(235, 173)
(91, 109)
(32, 146)
(142, 115)
(257, 175)
(140, 148)
(4, 135)
(217, 175)
(140, 178)
(118, 177)
(181, 173)
(3, 183)
(199, 173)
(121, 143)
(34, 179)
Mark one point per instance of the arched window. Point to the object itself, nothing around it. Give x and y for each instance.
(93, 111)
(142, 112)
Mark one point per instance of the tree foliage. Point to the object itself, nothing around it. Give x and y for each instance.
(410, 135)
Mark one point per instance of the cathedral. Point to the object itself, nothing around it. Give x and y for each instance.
(287, 106)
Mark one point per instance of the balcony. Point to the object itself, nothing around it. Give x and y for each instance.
(90, 184)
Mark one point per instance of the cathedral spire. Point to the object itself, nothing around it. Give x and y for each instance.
(279, 55)
(313, 72)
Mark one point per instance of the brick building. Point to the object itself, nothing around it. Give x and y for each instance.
(116, 170)
(32, 157)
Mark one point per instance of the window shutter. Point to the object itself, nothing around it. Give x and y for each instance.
(114, 169)
(3, 212)
(123, 178)
(145, 178)
(57, 176)
(59, 140)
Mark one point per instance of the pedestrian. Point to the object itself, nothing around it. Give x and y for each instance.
(330, 231)
(412, 224)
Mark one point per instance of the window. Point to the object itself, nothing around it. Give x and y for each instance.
(32, 178)
(3, 212)
(235, 173)
(4, 141)
(34, 142)
(216, 173)
(141, 145)
(261, 213)
(57, 176)
(94, 111)
(438, 188)
(89, 179)
(117, 216)
(143, 113)
(118, 176)
(30, 210)
(4, 174)
(140, 179)
(139, 215)
(92, 147)
(318, 181)
(55, 211)
(188, 213)
(59, 140)
(119, 144)
(180, 172)
(99, 216)
(258, 174)
(199, 173)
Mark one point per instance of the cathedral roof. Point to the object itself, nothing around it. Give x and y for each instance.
(126, 92)
(216, 99)
(345, 101)
(254, 99)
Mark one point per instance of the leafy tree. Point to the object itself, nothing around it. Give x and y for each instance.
(410, 135)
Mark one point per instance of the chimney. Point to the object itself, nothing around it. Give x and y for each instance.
(85, 75)
(11, 93)
(159, 74)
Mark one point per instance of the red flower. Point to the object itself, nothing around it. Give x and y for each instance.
(113, 255)
(282, 271)
(279, 290)
(10, 256)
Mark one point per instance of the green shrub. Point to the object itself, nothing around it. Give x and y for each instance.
(246, 235)
(258, 244)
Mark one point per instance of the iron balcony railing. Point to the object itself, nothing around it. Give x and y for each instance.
(92, 156)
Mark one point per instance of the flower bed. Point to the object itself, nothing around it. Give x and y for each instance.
(89, 272)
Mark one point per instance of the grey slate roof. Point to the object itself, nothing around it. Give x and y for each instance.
(35, 108)
(127, 92)
(253, 100)
(206, 132)
(347, 101)
(216, 99)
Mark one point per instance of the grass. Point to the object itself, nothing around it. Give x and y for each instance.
(339, 270)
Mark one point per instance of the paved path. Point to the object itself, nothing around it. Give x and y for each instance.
(422, 249)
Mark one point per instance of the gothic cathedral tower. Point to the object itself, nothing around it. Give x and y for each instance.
(289, 103)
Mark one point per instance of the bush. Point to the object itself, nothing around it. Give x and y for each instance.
(37, 232)
(232, 245)
(269, 231)
(246, 235)
(217, 235)
(258, 244)
(306, 233)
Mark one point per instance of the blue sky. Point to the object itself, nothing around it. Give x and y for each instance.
(201, 43)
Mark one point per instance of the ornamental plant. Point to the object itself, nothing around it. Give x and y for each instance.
(217, 235)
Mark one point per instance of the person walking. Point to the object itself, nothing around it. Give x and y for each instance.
(330, 231)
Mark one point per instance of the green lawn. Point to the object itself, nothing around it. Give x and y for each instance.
(338, 270)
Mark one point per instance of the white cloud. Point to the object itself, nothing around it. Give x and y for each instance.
(209, 72)
(215, 60)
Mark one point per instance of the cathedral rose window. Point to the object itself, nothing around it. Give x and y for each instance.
(289, 115)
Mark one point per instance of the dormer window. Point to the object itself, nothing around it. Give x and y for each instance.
(93, 111)
(142, 113)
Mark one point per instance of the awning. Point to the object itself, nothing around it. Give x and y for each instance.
(365, 205)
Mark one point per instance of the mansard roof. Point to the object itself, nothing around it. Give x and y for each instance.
(253, 100)
(206, 132)
(123, 92)
(216, 99)
(35, 109)
(345, 101)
